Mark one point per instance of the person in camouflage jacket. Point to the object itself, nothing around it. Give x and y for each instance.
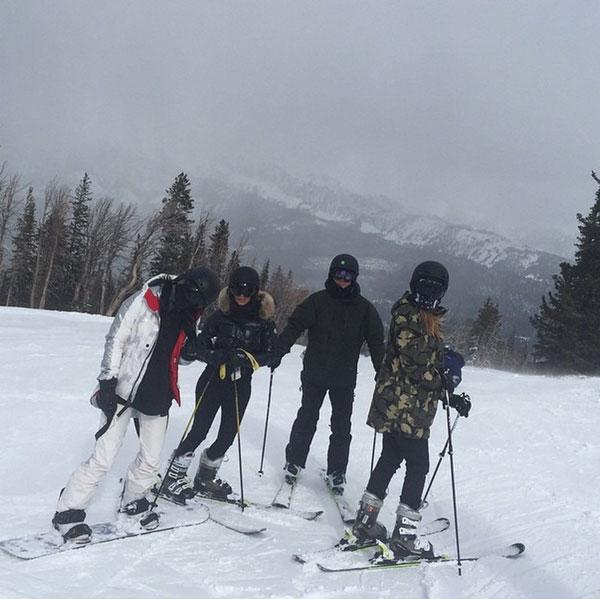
(411, 381)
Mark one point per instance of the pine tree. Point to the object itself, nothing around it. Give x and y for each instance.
(568, 320)
(264, 274)
(219, 248)
(24, 255)
(78, 242)
(484, 334)
(175, 246)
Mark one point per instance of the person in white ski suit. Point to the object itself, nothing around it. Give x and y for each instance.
(138, 379)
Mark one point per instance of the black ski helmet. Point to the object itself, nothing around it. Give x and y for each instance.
(344, 262)
(428, 284)
(196, 288)
(244, 281)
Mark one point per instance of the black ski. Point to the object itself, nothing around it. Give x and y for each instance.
(349, 542)
(511, 552)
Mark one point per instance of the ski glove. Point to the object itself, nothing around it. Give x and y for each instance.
(238, 359)
(106, 398)
(276, 358)
(216, 357)
(452, 372)
(461, 403)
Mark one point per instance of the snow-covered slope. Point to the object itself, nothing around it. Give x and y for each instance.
(526, 470)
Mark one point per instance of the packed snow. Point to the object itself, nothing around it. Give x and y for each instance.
(526, 463)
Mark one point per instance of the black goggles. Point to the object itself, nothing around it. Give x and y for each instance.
(245, 289)
(343, 275)
(431, 288)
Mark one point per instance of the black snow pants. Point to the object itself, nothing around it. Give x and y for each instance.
(396, 448)
(305, 425)
(219, 394)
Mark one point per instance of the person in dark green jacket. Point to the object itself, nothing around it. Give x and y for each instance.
(338, 320)
(416, 371)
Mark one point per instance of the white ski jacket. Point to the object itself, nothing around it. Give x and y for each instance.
(131, 341)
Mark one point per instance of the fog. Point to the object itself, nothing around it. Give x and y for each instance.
(484, 113)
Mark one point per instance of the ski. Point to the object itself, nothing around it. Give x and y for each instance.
(347, 514)
(305, 514)
(224, 520)
(283, 497)
(51, 542)
(348, 542)
(511, 552)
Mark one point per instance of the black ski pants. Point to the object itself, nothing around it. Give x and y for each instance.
(213, 394)
(415, 453)
(305, 425)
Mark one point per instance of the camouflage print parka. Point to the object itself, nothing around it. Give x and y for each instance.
(408, 385)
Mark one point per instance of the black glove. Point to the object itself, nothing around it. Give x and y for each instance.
(276, 358)
(452, 372)
(216, 357)
(106, 399)
(189, 353)
(238, 359)
(461, 403)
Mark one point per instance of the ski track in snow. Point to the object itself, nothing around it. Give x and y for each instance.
(526, 465)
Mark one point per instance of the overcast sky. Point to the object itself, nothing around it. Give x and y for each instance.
(486, 113)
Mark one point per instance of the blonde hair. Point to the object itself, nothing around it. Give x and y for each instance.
(433, 324)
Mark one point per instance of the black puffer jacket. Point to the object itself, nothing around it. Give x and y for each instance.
(337, 328)
(226, 330)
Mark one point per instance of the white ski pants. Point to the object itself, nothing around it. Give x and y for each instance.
(142, 472)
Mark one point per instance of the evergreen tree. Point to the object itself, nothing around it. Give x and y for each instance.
(219, 248)
(78, 241)
(264, 274)
(175, 245)
(568, 321)
(24, 255)
(234, 262)
(484, 334)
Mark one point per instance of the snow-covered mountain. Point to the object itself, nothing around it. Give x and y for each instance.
(302, 224)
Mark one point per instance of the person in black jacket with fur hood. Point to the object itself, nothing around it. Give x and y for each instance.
(338, 320)
(235, 340)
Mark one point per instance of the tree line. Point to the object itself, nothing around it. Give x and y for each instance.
(567, 323)
(81, 253)
(72, 251)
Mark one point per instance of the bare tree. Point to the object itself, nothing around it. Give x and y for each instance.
(9, 187)
(51, 240)
(144, 246)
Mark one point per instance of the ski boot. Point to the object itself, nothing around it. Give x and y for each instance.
(366, 529)
(291, 472)
(336, 482)
(70, 524)
(205, 482)
(405, 543)
(177, 486)
(141, 507)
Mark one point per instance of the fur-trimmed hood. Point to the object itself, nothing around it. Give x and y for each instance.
(267, 303)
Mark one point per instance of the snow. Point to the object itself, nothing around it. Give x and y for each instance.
(526, 464)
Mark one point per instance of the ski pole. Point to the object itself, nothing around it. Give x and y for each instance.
(152, 516)
(451, 454)
(237, 417)
(441, 454)
(262, 455)
(373, 450)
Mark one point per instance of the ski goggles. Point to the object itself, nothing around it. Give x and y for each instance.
(342, 274)
(245, 289)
